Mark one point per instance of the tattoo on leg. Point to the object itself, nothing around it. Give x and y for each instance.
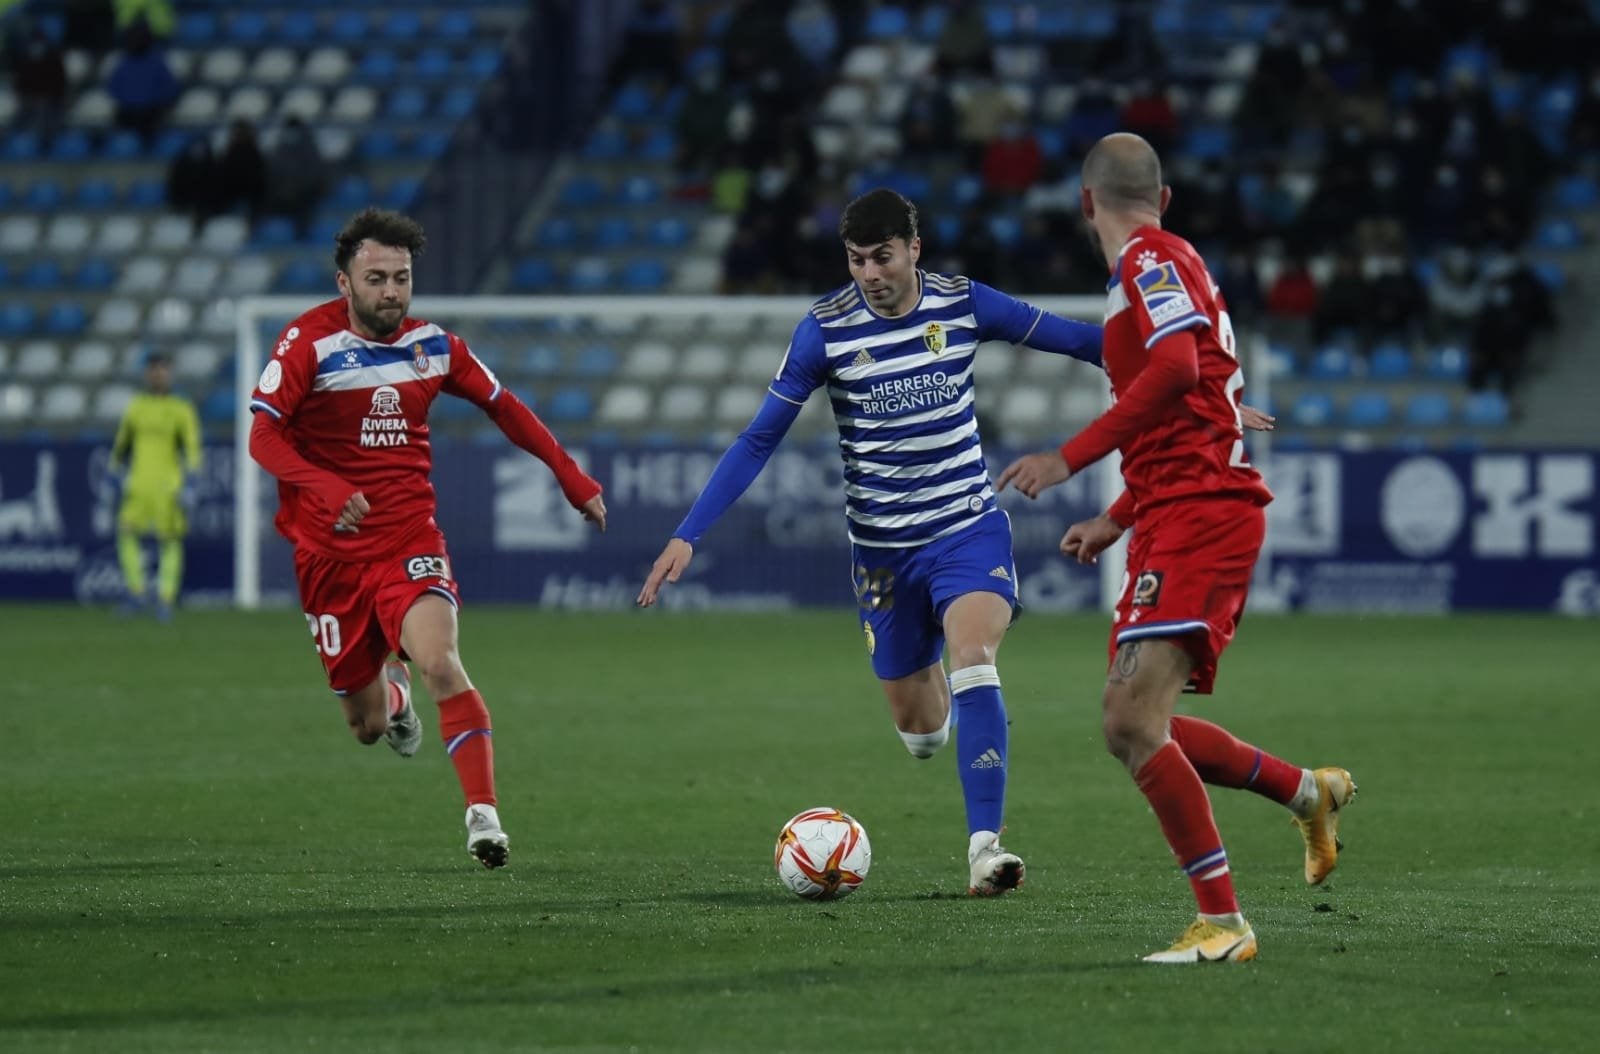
(1126, 664)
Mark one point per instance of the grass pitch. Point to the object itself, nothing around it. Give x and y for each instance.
(195, 854)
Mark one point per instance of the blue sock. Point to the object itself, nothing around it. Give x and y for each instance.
(981, 745)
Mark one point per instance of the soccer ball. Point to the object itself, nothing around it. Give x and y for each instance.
(822, 854)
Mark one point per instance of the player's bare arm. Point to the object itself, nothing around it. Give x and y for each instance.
(1032, 474)
(669, 567)
(1087, 539)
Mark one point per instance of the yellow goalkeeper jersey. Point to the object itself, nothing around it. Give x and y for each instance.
(159, 439)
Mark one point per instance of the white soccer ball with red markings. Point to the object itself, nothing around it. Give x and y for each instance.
(822, 854)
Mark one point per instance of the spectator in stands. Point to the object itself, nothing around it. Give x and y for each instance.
(1500, 216)
(747, 262)
(985, 111)
(1055, 192)
(89, 25)
(814, 32)
(1583, 132)
(1516, 306)
(156, 16)
(242, 171)
(1268, 111)
(702, 122)
(1268, 206)
(192, 181)
(1455, 297)
(753, 38)
(1342, 304)
(1395, 301)
(297, 177)
(649, 44)
(1094, 116)
(928, 124)
(1012, 160)
(964, 45)
(1241, 286)
(1132, 50)
(730, 184)
(142, 85)
(39, 78)
(1292, 302)
(1148, 112)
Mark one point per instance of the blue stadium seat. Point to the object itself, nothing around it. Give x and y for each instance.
(402, 193)
(597, 360)
(1281, 361)
(1467, 60)
(592, 274)
(669, 232)
(966, 189)
(95, 194)
(303, 275)
(1368, 410)
(1052, 142)
(931, 22)
(634, 102)
(196, 29)
(533, 275)
(557, 232)
(644, 276)
(220, 406)
(297, 27)
(430, 146)
(147, 193)
(407, 104)
(433, 64)
(66, 318)
(1446, 363)
(1054, 23)
(379, 145)
(1428, 410)
(20, 146)
(16, 319)
(947, 229)
(170, 143)
(1006, 230)
(1332, 363)
(95, 275)
(1208, 142)
(541, 360)
(403, 25)
(706, 57)
(40, 275)
(352, 192)
(1312, 410)
(43, 194)
(348, 27)
(1001, 21)
(1096, 23)
(571, 405)
(1390, 362)
(1486, 410)
(605, 144)
(456, 25)
(380, 65)
(1552, 274)
(274, 232)
(639, 190)
(1578, 192)
(613, 232)
(1558, 234)
(247, 27)
(482, 63)
(121, 145)
(659, 145)
(888, 23)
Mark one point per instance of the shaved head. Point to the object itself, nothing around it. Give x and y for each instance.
(1124, 172)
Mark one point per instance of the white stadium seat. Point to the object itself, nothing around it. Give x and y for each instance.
(8, 106)
(79, 65)
(39, 360)
(354, 104)
(111, 402)
(222, 66)
(181, 62)
(649, 361)
(1026, 407)
(303, 102)
(92, 360)
(143, 274)
(119, 235)
(683, 403)
(171, 233)
(706, 362)
(248, 275)
(63, 403)
(274, 66)
(170, 317)
(16, 402)
(866, 62)
(738, 403)
(197, 360)
(93, 109)
(624, 404)
(217, 318)
(697, 274)
(846, 104)
(198, 106)
(68, 234)
(196, 277)
(758, 363)
(19, 235)
(224, 234)
(248, 103)
(326, 66)
(116, 318)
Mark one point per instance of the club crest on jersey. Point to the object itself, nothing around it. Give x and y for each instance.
(1165, 296)
(419, 358)
(933, 337)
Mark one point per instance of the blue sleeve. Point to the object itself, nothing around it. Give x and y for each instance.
(740, 466)
(1002, 317)
(805, 365)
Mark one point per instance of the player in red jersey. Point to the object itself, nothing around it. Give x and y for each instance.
(341, 421)
(1198, 509)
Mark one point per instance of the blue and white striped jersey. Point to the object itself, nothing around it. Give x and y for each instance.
(902, 396)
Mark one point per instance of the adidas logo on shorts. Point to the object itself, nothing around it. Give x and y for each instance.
(1000, 573)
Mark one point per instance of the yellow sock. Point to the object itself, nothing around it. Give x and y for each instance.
(170, 571)
(131, 556)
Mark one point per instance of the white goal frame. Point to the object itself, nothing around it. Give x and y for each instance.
(251, 311)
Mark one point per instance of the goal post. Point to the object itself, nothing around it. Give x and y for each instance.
(511, 333)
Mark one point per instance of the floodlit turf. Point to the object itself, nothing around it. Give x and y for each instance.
(195, 854)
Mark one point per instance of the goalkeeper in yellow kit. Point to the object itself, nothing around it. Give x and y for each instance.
(154, 458)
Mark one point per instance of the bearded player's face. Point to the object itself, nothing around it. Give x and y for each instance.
(886, 273)
(378, 288)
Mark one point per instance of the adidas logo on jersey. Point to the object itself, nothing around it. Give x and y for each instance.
(863, 358)
(989, 759)
(1001, 573)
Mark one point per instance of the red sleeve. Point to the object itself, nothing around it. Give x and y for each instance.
(523, 428)
(469, 378)
(1122, 510)
(287, 376)
(273, 451)
(1173, 369)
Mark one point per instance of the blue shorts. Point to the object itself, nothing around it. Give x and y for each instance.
(903, 593)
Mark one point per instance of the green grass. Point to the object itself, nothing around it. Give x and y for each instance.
(195, 854)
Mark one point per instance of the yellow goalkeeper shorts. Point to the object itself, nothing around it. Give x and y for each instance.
(152, 511)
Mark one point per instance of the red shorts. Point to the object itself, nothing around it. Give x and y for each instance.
(1189, 568)
(355, 609)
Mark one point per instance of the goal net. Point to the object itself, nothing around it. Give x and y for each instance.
(647, 392)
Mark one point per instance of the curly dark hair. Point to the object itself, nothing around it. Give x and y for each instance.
(379, 225)
(877, 216)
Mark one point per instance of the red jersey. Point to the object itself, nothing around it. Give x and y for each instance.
(358, 409)
(1191, 447)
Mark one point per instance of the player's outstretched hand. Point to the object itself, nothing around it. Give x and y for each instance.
(1087, 539)
(1257, 420)
(354, 511)
(669, 567)
(1034, 473)
(594, 510)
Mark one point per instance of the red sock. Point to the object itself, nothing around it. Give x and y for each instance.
(1173, 789)
(1224, 761)
(464, 724)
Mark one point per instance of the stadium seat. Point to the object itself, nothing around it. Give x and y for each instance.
(224, 235)
(705, 361)
(533, 275)
(121, 145)
(1390, 362)
(402, 193)
(199, 106)
(669, 232)
(644, 276)
(623, 404)
(248, 103)
(406, 104)
(38, 360)
(633, 102)
(63, 403)
(1578, 192)
(1488, 409)
(1428, 410)
(248, 28)
(170, 317)
(455, 25)
(16, 319)
(352, 192)
(1558, 234)
(591, 274)
(95, 194)
(16, 403)
(403, 26)
(737, 403)
(541, 360)
(482, 63)
(433, 64)
(556, 232)
(297, 27)
(304, 102)
(596, 360)
(605, 143)
(19, 235)
(1332, 363)
(197, 29)
(1446, 363)
(659, 145)
(349, 27)
(888, 23)
(430, 146)
(326, 66)
(93, 109)
(171, 233)
(111, 402)
(219, 407)
(572, 405)
(146, 193)
(118, 235)
(41, 275)
(1368, 410)
(379, 145)
(68, 234)
(91, 361)
(303, 276)
(20, 146)
(684, 404)
(94, 275)
(197, 360)
(274, 232)
(66, 318)
(613, 232)
(222, 66)
(1000, 20)
(649, 361)
(116, 318)
(1005, 230)
(1312, 410)
(195, 277)
(639, 190)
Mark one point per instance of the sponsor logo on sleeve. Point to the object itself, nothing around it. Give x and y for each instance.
(271, 377)
(1165, 296)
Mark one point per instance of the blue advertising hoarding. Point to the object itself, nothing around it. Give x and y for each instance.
(1373, 532)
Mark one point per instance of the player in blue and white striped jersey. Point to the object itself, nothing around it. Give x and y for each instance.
(932, 553)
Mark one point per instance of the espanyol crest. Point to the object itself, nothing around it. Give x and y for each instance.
(419, 358)
(933, 337)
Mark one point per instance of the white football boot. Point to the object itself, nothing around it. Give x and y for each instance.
(485, 840)
(994, 871)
